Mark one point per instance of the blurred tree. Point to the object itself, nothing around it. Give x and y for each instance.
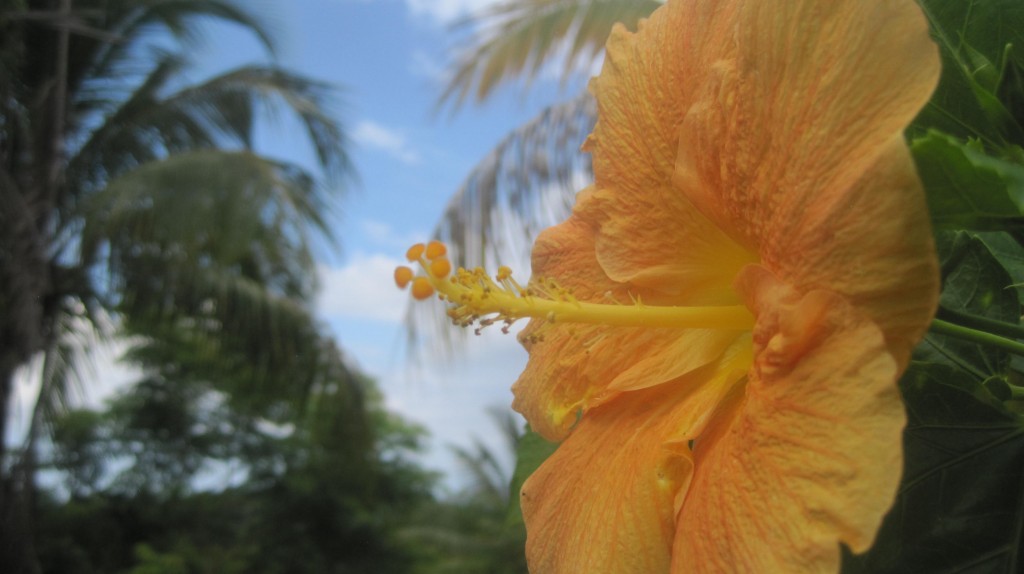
(80, 450)
(473, 532)
(300, 497)
(130, 195)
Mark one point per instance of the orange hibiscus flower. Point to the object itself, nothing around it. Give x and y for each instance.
(719, 326)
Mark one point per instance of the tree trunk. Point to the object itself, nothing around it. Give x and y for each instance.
(24, 291)
(25, 288)
(17, 554)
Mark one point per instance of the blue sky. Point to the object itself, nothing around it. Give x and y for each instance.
(389, 59)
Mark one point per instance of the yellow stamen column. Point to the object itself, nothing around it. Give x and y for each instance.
(476, 298)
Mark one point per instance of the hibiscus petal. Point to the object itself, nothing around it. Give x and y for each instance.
(794, 147)
(577, 367)
(888, 270)
(605, 500)
(650, 234)
(808, 456)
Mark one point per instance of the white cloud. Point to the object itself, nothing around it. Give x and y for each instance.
(363, 289)
(447, 11)
(374, 135)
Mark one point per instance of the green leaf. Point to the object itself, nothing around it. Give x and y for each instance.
(968, 189)
(1008, 251)
(532, 451)
(974, 283)
(960, 506)
(973, 280)
(980, 42)
(1011, 88)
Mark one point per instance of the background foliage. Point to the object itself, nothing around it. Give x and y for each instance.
(134, 205)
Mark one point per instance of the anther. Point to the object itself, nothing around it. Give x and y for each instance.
(415, 252)
(440, 267)
(421, 288)
(436, 249)
(403, 275)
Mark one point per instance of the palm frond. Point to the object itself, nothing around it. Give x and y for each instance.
(230, 210)
(149, 124)
(264, 87)
(67, 364)
(62, 379)
(131, 22)
(210, 249)
(510, 425)
(119, 60)
(525, 184)
(182, 17)
(516, 38)
(260, 348)
(489, 480)
(264, 354)
(137, 130)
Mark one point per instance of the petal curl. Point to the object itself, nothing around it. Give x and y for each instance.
(809, 455)
(794, 147)
(606, 500)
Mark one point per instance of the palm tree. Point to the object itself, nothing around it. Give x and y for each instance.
(128, 193)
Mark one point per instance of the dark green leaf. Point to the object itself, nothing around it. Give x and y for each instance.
(981, 43)
(974, 283)
(960, 506)
(973, 280)
(1008, 251)
(1011, 89)
(968, 189)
